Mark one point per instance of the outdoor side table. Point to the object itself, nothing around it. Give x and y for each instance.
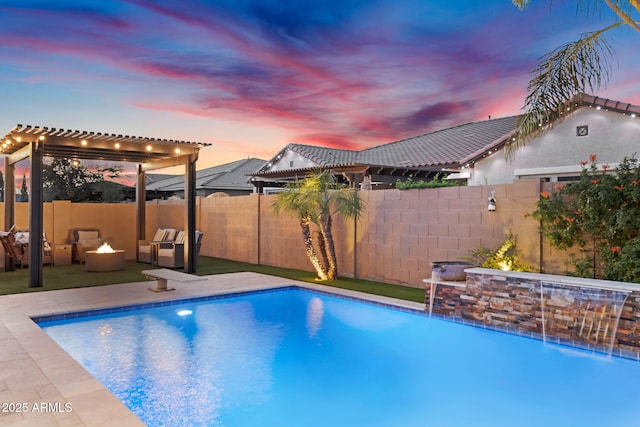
(61, 254)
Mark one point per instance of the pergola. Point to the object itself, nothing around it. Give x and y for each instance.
(35, 143)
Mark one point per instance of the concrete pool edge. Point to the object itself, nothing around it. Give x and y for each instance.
(37, 372)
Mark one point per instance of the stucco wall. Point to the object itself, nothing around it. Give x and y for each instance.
(292, 160)
(612, 136)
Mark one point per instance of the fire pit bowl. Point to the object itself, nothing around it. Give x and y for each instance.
(451, 270)
(104, 261)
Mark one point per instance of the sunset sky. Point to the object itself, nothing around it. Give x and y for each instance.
(250, 76)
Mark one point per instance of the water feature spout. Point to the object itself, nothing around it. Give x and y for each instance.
(578, 313)
(435, 278)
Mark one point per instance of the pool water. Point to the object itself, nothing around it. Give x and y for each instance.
(298, 358)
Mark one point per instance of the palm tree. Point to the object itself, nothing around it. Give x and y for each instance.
(315, 200)
(564, 75)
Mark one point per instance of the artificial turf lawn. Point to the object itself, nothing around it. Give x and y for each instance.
(75, 276)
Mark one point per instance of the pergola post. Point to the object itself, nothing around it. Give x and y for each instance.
(36, 227)
(141, 203)
(190, 214)
(9, 206)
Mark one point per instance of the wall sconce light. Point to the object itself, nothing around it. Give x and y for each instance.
(492, 202)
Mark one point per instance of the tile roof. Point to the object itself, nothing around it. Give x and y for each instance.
(444, 147)
(230, 176)
(447, 147)
(325, 156)
(610, 104)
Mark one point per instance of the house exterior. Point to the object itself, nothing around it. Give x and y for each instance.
(473, 153)
(609, 129)
(229, 179)
(422, 156)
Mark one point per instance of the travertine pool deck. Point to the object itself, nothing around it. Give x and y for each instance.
(41, 385)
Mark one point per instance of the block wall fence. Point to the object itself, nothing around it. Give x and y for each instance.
(397, 237)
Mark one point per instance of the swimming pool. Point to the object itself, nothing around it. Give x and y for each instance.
(299, 358)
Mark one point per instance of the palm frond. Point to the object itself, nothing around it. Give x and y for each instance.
(521, 4)
(561, 78)
(348, 202)
(624, 10)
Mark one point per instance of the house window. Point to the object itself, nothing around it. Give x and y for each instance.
(290, 163)
(582, 130)
(568, 178)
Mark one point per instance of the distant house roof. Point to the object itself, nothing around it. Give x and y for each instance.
(230, 176)
(448, 147)
(451, 147)
(325, 156)
(155, 177)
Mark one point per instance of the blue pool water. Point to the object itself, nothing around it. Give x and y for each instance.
(298, 358)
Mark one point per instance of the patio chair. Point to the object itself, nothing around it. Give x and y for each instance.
(10, 248)
(83, 240)
(171, 254)
(16, 245)
(147, 248)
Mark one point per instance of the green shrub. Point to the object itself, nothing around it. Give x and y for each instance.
(599, 215)
(504, 257)
(437, 181)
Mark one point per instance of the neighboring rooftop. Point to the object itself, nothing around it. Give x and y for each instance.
(230, 178)
(446, 148)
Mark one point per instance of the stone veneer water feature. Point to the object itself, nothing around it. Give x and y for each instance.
(598, 315)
